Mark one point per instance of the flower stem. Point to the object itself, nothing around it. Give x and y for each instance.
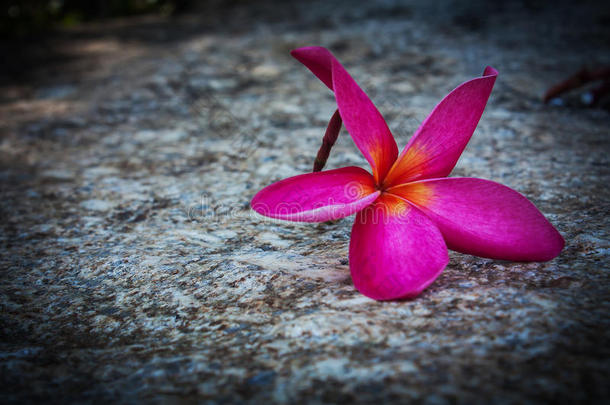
(330, 137)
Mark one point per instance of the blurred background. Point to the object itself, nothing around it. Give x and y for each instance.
(35, 32)
(26, 18)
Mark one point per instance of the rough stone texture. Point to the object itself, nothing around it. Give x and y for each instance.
(133, 270)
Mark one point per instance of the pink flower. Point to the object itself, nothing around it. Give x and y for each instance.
(408, 211)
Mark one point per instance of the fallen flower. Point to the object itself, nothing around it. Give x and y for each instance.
(408, 211)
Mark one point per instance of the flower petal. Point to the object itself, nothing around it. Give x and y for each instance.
(317, 197)
(440, 140)
(395, 250)
(317, 59)
(484, 218)
(361, 118)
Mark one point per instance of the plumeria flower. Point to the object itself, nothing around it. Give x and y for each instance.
(408, 211)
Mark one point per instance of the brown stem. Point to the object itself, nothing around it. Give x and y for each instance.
(582, 77)
(330, 137)
(600, 91)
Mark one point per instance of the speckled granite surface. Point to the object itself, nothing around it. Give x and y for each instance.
(133, 270)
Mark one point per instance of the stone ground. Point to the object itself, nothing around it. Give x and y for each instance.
(133, 270)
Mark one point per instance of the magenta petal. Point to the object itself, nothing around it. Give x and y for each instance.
(361, 118)
(316, 59)
(484, 218)
(395, 251)
(364, 123)
(317, 197)
(440, 140)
